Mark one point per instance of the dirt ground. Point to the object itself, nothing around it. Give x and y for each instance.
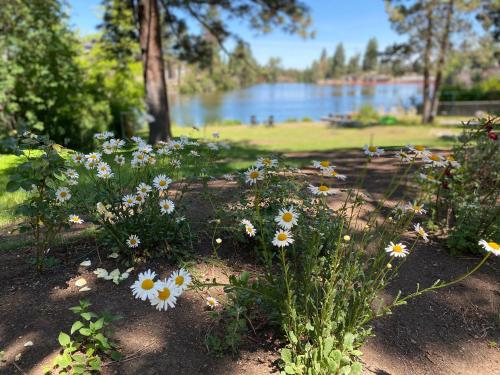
(452, 331)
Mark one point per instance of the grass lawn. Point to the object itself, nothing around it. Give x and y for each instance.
(310, 136)
(8, 201)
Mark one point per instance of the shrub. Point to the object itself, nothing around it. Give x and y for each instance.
(42, 175)
(323, 268)
(465, 188)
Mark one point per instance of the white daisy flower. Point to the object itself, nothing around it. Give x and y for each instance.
(166, 206)
(161, 182)
(253, 175)
(321, 190)
(322, 165)
(105, 174)
(419, 150)
(451, 161)
(286, 218)
(176, 145)
(133, 241)
(181, 279)
(139, 199)
(143, 189)
(212, 302)
(90, 164)
(63, 194)
(144, 148)
(434, 160)
(250, 230)
(137, 139)
(94, 156)
(120, 160)
(194, 153)
(75, 219)
(129, 200)
(176, 163)
(103, 167)
(213, 146)
(491, 247)
(282, 238)
(421, 232)
(398, 250)
(72, 174)
(266, 163)
(166, 295)
(403, 156)
(144, 287)
(428, 178)
(415, 207)
(331, 172)
(78, 158)
(372, 151)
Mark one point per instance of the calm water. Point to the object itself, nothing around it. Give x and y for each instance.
(288, 100)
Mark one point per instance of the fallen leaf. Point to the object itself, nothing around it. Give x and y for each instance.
(86, 263)
(85, 289)
(17, 357)
(113, 255)
(28, 343)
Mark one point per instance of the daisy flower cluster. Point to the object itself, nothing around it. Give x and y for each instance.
(161, 294)
(286, 219)
(328, 170)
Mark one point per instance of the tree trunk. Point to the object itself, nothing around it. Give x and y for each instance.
(154, 70)
(427, 66)
(443, 49)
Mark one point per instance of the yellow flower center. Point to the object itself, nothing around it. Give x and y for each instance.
(421, 231)
(133, 241)
(287, 217)
(266, 162)
(450, 158)
(249, 229)
(494, 246)
(147, 284)
(164, 294)
(372, 148)
(162, 183)
(140, 157)
(63, 194)
(419, 148)
(177, 146)
(179, 280)
(435, 158)
(323, 188)
(417, 208)
(397, 249)
(254, 175)
(166, 206)
(325, 164)
(282, 236)
(211, 301)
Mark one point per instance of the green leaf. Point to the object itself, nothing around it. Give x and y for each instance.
(293, 338)
(85, 331)
(99, 324)
(286, 355)
(289, 370)
(356, 368)
(116, 356)
(76, 326)
(64, 339)
(309, 327)
(348, 340)
(328, 346)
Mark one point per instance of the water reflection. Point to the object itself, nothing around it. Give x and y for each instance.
(288, 100)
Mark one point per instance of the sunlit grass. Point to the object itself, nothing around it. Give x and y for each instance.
(321, 137)
(8, 201)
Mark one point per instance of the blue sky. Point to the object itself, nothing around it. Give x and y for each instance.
(351, 22)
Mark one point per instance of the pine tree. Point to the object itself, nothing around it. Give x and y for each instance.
(370, 59)
(337, 68)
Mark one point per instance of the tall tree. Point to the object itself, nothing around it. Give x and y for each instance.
(42, 85)
(353, 67)
(430, 25)
(337, 68)
(370, 58)
(172, 18)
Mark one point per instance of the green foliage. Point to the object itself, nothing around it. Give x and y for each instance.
(370, 58)
(42, 87)
(367, 115)
(463, 194)
(337, 67)
(485, 90)
(82, 349)
(40, 174)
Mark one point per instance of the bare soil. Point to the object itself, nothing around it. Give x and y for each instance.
(452, 331)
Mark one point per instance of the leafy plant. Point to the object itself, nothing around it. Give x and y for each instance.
(82, 349)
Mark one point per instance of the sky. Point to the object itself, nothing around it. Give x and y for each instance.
(352, 22)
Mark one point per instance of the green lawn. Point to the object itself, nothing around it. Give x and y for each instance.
(8, 201)
(321, 137)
